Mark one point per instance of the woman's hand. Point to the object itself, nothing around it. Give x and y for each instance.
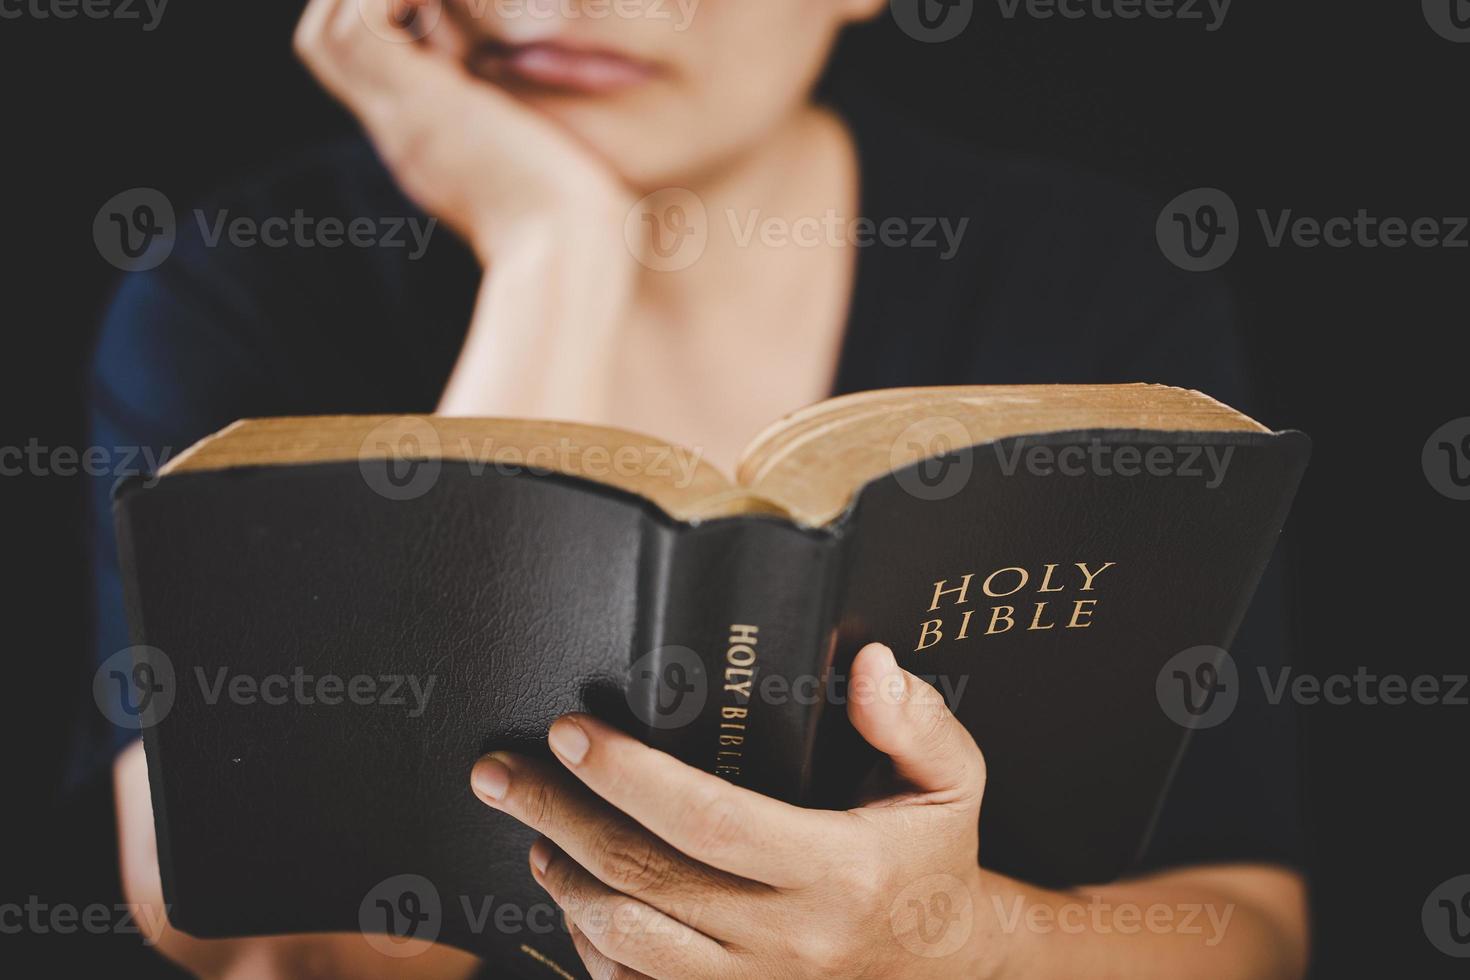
(464, 150)
(666, 871)
(541, 213)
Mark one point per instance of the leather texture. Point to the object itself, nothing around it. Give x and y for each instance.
(1078, 745)
(524, 597)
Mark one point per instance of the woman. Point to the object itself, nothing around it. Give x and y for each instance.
(656, 225)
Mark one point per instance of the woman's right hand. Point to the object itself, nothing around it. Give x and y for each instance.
(465, 151)
(531, 202)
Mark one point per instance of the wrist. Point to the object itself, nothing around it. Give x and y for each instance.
(553, 294)
(1001, 942)
(571, 223)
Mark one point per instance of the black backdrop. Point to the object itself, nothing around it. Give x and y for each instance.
(1317, 107)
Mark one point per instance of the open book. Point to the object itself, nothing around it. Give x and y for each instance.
(1043, 554)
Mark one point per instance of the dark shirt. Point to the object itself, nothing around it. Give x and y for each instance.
(1057, 278)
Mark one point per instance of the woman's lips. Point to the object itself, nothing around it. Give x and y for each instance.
(569, 69)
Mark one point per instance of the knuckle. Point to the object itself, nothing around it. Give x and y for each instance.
(320, 37)
(599, 967)
(633, 862)
(715, 825)
(343, 27)
(862, 884)
(563, 885)
(982, 772)
(626, 923)
(581, 907)
(932, 717)
(825, 955)
(409, 148)
(538, 803)
(305, 40)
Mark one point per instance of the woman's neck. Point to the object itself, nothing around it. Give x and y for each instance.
(752, 328)
(769, 213)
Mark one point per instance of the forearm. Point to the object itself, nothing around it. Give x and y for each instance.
(1209, 923)
(545, 325)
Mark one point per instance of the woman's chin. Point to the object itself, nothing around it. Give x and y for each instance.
(631, 143)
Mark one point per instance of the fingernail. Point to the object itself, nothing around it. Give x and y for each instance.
(540, 856)
(568, 741)
(895, 679)
(490, 778)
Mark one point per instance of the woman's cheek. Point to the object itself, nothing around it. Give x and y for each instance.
(733, 74)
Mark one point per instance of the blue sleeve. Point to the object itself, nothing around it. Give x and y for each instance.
(220, 332)
(174, 361)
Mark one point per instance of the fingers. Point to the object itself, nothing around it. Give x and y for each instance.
(907, 720)
(138, 860)
(615, 849)
(623, 929)
(701, 815)
(599, 966)
(360, 50)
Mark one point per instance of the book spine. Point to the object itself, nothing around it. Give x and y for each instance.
(733, 648)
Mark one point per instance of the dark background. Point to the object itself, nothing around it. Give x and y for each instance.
(1320, 108)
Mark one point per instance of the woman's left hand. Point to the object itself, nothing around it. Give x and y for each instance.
(665, 871)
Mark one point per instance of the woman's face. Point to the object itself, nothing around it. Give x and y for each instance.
(660, 89)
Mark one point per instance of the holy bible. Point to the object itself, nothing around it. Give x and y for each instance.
(339, 615)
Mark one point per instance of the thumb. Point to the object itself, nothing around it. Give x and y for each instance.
(907, 720)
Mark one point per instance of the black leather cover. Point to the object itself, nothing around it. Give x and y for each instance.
(523, 597)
